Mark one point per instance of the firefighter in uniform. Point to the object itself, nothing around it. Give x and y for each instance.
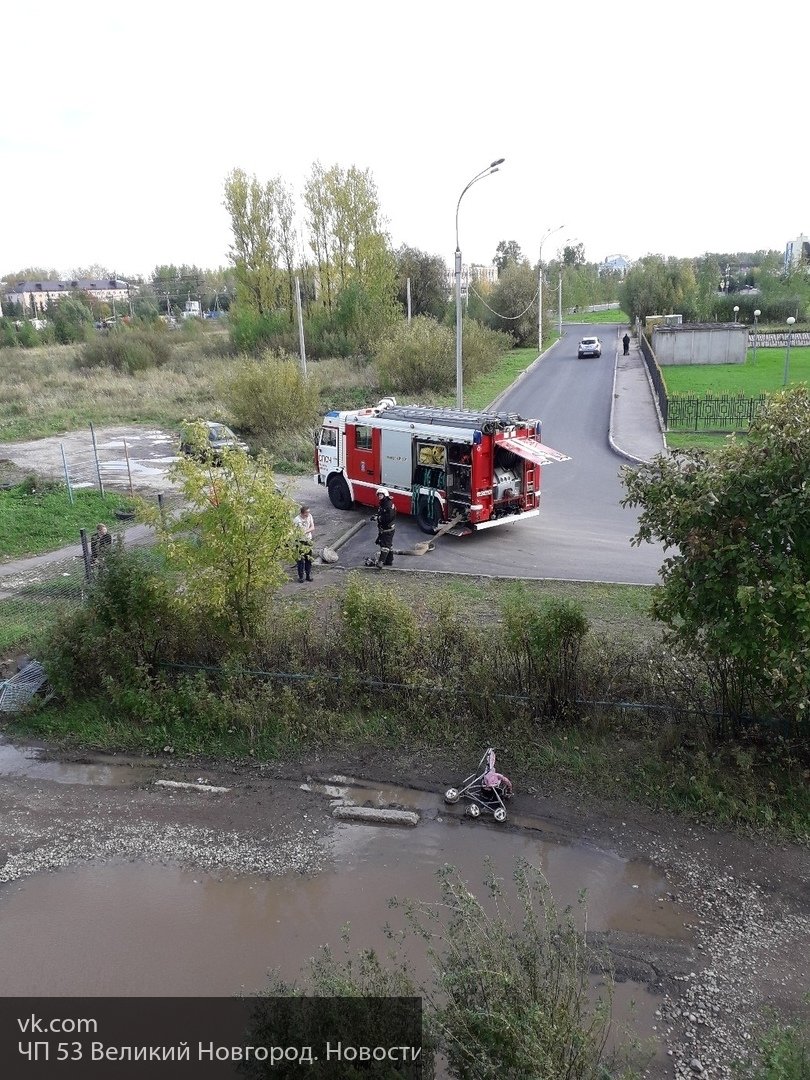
(386, 523)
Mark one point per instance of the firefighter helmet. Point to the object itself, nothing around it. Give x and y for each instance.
(383, 491)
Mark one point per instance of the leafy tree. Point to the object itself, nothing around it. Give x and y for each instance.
(507, 251)
(253, 212)
(31, 273)
(319, 207)
(428, 277)
(233, 538)
(573, 255)
(736, 589)
(659, 286)
(94, 272)
(72, 318)
(346, 234)
(513, 301)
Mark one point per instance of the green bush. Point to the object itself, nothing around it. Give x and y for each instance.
(27, 335)
(129, 622)
(270, 397)
(418, 357)
(545, 645)
(509, 991)
(251, 332)
(126, 351)
(481, 348)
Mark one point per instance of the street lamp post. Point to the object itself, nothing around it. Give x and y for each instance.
(757, 314)
(790, 323)
(736, 310)
(491, 168)
(570, 240)
(546, 235)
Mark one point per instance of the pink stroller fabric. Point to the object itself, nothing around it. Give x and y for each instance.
(493, 779)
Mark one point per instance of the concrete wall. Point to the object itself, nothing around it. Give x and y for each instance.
(700, 344)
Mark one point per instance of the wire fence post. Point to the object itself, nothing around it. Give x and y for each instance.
(88, 562)
(95, 455)
(67, 474)
(129, 471)
(162, 509)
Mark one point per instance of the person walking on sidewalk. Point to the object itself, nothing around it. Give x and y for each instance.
(626, 343)
(305, 530)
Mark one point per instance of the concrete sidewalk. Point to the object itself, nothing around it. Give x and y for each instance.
(635, 431)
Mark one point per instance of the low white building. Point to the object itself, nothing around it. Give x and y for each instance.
(36, 295)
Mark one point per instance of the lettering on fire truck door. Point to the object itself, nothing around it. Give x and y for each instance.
(363, 453)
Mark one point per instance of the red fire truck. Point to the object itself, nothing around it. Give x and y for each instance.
(443, 466)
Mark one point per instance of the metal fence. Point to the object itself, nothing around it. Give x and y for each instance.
(656, 378)
(36, 593)
(723, 412)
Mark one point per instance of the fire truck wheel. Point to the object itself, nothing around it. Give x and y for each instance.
(428, 514)
(339, 493)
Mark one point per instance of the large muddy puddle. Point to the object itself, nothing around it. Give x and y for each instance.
(122, 928)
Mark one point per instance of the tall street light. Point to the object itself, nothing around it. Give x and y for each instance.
(546, 235)
(491, 168)
(790, 323)
(757, 314)
(570, 240)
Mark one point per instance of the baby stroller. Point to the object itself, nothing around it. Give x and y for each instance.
(487, 790)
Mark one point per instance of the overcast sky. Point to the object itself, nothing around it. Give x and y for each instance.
(642, 127)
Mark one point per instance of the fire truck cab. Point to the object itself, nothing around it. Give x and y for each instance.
(474, 470)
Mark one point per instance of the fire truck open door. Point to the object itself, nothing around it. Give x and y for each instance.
(531, 450)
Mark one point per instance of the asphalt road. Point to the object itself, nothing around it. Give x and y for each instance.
(583, 533)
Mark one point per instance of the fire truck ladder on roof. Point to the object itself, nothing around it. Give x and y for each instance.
(461, 418)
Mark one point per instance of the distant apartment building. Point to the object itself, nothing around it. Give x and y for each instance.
(797, 253)
(34, 296)
(614, 264)
(472, 273)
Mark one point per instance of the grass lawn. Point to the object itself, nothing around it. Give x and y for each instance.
(44, 521)
(613, 316)
(678, 440)
(481, 392)
(749, 379)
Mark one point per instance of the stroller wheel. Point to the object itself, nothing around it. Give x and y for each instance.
(473, 810)
(499, 814)
(451, 795)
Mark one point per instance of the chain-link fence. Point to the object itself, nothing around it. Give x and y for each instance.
(35, 593)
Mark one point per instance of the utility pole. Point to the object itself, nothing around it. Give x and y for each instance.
(301, 344)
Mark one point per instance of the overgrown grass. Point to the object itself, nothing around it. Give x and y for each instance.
(42, 392)
(765, 376)
(783, 1053)
(606, 711)
(33, 520)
